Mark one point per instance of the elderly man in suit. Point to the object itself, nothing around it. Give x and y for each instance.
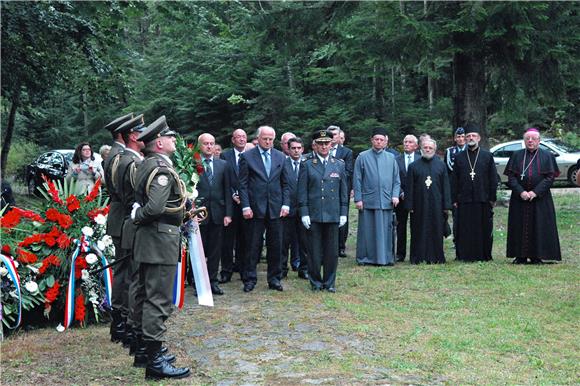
(295, 238)
(235, 238)
(214, 192)
(265, 199)
(323, 202)
(344, 153)
(410, 154)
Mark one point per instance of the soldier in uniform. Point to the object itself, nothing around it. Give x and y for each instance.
(158, 212)
(114, 228)
(323, 201)
(450, 154)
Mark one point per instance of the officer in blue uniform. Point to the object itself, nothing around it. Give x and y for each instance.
(323, 204)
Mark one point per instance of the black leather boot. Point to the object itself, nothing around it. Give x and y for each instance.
(129, 336)
(141, 354)
(117, 327)
(158, 367)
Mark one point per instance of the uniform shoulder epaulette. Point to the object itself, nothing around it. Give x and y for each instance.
(338, 159)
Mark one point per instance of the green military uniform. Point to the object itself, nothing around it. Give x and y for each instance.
(114, 228)
(157, 246)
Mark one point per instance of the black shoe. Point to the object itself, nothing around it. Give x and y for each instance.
(275, 286)
(129, 337)
(390, 264)
(331, 289)
(303, 275)
(294, 268)
(341, 253)
(520, 260)
(400, 259)
(284, 274)
(117, 327)
(158, 367)
(225, 278)
(249, 287)
(216, 290)
(315, 288)
(141, 353)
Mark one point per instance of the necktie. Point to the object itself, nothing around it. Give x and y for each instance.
(408, 162)
(238, 161)
(267, 163)
(295, 168)
(208, 170)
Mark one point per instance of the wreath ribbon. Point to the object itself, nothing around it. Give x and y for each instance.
(13, 272)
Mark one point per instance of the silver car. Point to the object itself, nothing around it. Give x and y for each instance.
(566, 157)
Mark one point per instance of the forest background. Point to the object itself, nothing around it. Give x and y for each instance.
(70, 67)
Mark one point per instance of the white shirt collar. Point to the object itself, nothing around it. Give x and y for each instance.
(321, 158)
(134, 152)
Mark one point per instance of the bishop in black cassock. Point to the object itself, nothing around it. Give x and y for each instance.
(474, 187)
(532, 230)
(428, 198)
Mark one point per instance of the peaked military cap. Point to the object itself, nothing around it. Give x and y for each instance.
(155, 130)
(135, 124)
(322, 136)
(111, 126)
(460, 131)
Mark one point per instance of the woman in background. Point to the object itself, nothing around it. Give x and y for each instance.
(84, 168)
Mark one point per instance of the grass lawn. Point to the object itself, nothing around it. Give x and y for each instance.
(478, 323)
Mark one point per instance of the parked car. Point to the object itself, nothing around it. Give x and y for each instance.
(53, 164)
(566, 157)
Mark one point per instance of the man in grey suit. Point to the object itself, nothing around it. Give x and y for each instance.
(265, 198)
(410, 154)
(214, 190)
(323, 202)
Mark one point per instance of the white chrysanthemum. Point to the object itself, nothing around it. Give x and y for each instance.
(85, 274)
(3, 271)
(194, 178)
(60, 328)
(31, 287)
(100, 219)
(88, 231)
(36, 224)
(193, 194)
(107, 240)
(32, 268)
(91, 258)
(101, 245)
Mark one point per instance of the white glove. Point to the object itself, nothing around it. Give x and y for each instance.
(341, 221)
(134, 210)
(306, 221)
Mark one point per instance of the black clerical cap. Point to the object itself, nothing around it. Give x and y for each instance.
(322, 136)
(113, 125)
(155, 130)
(472, 128)
(135, 124)
(379, 131)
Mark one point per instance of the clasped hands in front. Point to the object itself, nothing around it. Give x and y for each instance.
(528, 196)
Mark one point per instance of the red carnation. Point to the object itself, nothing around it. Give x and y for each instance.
(10, 219)
(94, 192)
(63, 241)
(80, 264)
(72, 203)
(6, 250)
(80, 309)
(31, 240)
(51, 294)
(52, 191)
(64, 220)
(46, 263)
(30, 215)
(26, 257)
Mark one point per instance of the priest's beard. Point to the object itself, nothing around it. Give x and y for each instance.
(427, 156)
(472, 145)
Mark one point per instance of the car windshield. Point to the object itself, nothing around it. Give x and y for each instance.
(562, 146)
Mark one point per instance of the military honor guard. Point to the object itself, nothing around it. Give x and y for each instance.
(428, 198)
(474, 187)
(323, 200)
(158, 212)
(532, 230)
(114, 228)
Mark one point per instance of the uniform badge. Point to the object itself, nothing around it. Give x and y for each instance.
(334, 175)
(162, 180)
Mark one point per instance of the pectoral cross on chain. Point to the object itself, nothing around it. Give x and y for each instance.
(472, 174)
(428, 182)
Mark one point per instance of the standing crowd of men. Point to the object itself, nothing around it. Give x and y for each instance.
(296, 204)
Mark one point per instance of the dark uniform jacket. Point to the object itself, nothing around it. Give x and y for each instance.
(260, 192)
(293, 185)
(402, 172)
(345, 154)
(161, 195)
(115, 217)
(216, 197)
(322, 191)
(125, 186)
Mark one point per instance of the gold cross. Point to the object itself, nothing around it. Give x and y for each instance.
(428, 182)
(472, 174)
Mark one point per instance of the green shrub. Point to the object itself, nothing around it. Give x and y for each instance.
(22, 152)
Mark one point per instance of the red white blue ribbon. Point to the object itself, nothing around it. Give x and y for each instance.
(13, 272)
(69, 305)
(179, 282)
(107, 273)
(199, 266)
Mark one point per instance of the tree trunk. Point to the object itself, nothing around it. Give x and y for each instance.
(7, 142)
(85, 112)
(393, 90)
(430, 91)
(290, 76)
(469, 93)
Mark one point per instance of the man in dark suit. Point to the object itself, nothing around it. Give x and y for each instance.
(345, 154)
(410, 154)
(323, 202)
(235, 233)
(215, 194)
(114, 228)
(265, 198)
(294, 238)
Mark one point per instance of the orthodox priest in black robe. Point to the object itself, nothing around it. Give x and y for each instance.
(474, 192)
(532, 231)
(428, 199)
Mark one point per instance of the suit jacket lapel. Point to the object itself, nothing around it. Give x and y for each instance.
(258, 158)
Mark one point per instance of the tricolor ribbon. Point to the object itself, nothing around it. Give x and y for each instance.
(107, 273)
(198, 265)
(179, 282)
(11, 267)
(69, 305)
